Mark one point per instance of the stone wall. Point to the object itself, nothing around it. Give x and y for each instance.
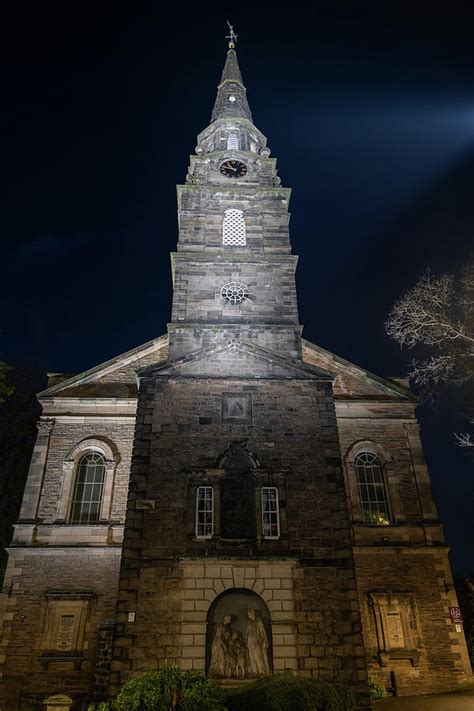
(425, 573)
(32, 576)
(306, 577)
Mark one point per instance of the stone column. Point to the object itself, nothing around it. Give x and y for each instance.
(34, 482)
(420, 471)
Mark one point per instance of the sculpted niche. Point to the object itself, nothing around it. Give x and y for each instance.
(238, 636)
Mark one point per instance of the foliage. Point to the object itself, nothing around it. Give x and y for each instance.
(170, 689)
(437, 315)
(376, 689)
(465, 594)
(101, 706)
(284, 692)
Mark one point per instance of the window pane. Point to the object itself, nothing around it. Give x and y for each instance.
(88, 489)
(270, 512)
(372, 491)
(204, 511)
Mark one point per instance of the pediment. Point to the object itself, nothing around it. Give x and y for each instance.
(115, 378)
(235, 358)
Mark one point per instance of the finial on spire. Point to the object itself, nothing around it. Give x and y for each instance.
(232, 37)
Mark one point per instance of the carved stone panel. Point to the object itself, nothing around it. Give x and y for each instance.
(238, 637)
(237, 408)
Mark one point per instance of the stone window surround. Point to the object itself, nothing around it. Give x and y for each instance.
(352, 490)
(213, 478)
(70, 465)
(203, 581)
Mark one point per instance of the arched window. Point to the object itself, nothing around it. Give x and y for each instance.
(372, 490)
(233, 228)
(88, 489)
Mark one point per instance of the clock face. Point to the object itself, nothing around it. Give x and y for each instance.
(233, 169)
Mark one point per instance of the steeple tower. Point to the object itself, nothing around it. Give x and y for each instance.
(231, 97)
(233, 230)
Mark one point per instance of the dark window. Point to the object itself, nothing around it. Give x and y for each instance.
(88, 489)
(372, 490)
(270, 512)
(204, 511)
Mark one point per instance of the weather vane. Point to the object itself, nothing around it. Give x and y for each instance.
(232, 37)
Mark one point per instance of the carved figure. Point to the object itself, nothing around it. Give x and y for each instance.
(238, 654)
(257, 645)
(219, 666)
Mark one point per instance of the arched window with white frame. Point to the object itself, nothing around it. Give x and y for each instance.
(372, 489)
(233, 228)
(88, 489)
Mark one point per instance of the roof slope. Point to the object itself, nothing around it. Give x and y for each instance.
(118, 377)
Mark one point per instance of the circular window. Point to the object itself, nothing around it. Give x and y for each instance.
(234, 292)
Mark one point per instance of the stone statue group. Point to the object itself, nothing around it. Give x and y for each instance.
(239, 656)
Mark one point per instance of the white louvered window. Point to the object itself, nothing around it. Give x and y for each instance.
(233, 228)
(204, 512)
(233, 141)
(270, 512)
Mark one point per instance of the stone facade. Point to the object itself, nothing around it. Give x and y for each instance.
(234, 405)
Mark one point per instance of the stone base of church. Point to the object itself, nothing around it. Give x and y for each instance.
(410, 640)
(313, 618)
(313, 610)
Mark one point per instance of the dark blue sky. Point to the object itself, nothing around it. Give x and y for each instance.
(369, 109)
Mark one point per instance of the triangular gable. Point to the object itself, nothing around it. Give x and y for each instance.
(114, 378)
(235, 358)
(352, 381)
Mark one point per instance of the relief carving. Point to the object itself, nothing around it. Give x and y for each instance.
(240, 656)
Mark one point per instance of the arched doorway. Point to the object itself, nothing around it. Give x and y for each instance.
(238, 636)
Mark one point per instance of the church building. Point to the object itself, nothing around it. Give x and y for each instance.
(228, 497)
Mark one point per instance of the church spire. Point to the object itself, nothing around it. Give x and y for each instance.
(231, 100)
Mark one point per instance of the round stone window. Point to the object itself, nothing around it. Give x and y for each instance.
(234, 292)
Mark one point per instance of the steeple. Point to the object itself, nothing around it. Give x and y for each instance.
(231, 100)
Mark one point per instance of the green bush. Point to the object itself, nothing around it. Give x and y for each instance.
(170, 689)
(376, 689)
(284, 692)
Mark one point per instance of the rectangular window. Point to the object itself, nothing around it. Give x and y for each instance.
(270, 512)
(233, 141)
(204, 512)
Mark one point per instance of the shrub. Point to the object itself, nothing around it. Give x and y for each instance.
(284, 692)
(170, 689)
(376, 689)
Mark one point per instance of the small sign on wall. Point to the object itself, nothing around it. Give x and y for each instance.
(455, 615)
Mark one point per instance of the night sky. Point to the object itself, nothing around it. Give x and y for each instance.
(369, 110)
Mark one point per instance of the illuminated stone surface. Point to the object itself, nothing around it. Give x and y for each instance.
(233, 399)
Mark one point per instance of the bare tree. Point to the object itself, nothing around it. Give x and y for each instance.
(437, 315)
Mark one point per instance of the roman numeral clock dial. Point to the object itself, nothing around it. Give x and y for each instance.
(233, 169)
